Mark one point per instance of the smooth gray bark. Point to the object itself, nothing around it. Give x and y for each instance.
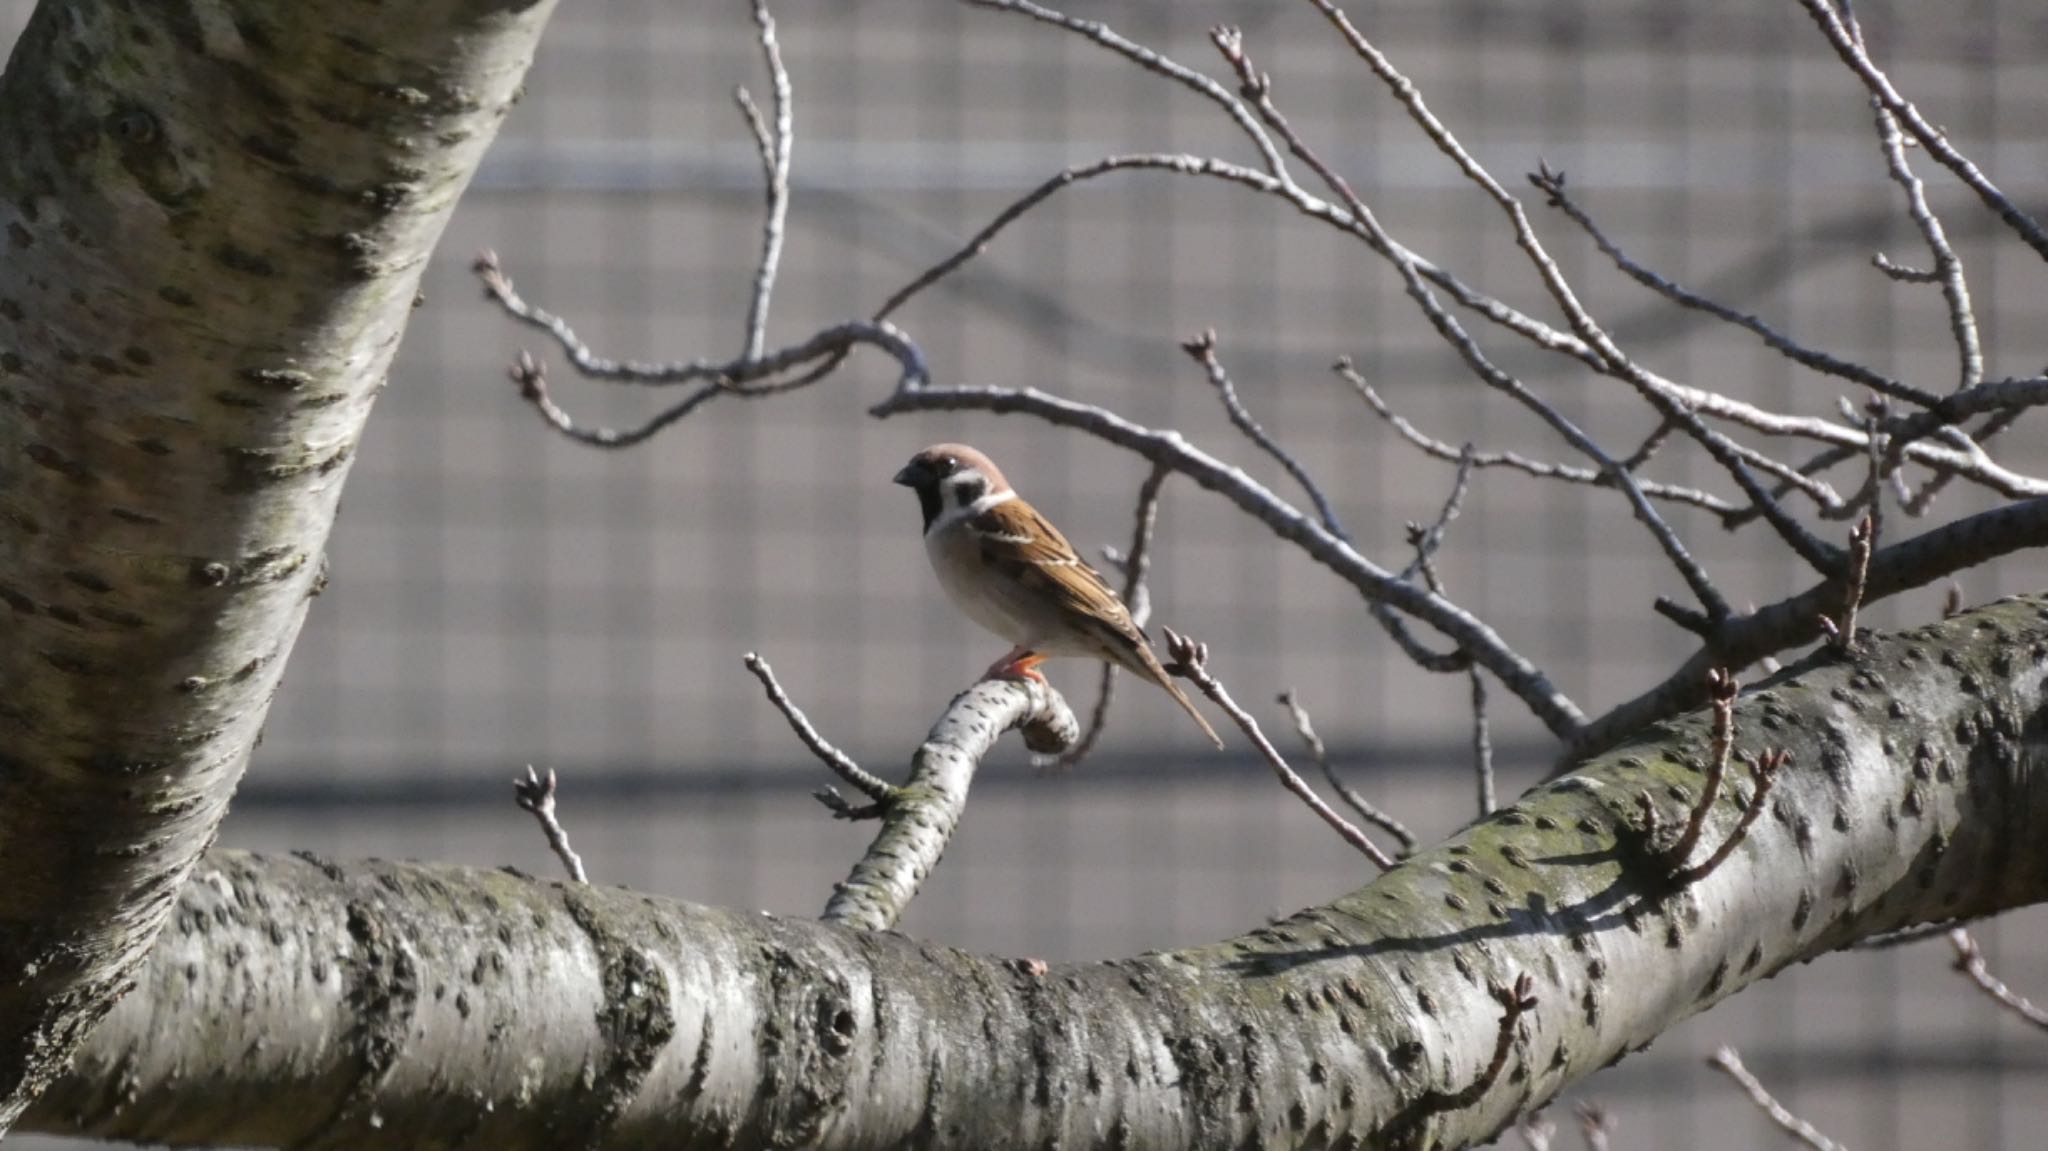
(918, 820)
(396, 1005)
(215, 217)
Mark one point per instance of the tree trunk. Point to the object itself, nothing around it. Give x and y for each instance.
(397, 1005)
(216, 217)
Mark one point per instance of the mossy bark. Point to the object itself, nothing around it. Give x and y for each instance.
(215, 216)
(396, 1005)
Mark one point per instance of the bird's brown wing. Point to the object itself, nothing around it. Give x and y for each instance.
(1023, 546)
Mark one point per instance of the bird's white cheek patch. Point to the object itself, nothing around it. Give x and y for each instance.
(956, 515)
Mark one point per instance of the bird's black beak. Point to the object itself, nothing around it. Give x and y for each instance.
(913, 474)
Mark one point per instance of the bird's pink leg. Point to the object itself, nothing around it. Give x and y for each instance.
(1021, 663)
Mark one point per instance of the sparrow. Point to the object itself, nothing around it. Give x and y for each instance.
(1012, 572)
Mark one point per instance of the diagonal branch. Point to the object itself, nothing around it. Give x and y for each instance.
(1169, 449)
(921, 815)
(863, 781)
(1730, 1063)
(1848, 46)
(1738, 642)
(1190, 661)
(1258, 87)
(1203, 350)
(1366, 809)
(1970, 961)
(1515, 461)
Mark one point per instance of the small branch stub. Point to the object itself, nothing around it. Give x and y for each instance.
(536, 795)
(1862, 540)
(1970, 961)
(1515, 1001)
(1722, 691)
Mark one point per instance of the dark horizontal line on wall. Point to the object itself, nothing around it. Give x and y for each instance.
(1815, 1067)
(290, 787)
(639, 166)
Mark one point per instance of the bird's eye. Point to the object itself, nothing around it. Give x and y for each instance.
(949, 465)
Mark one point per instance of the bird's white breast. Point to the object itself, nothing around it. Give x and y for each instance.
(984, 595)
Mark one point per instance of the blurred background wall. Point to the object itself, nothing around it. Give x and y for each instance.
(501, 597)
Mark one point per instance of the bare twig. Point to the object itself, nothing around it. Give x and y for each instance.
(1152, 61)
(1729, 1062)
(1536, 1132)
(1722, 690)
(1366, 809)
(1419, 653)
(1848, 47)
(1662, 432)
(1878, 455)
(748, 376)
(1948, 267)
(775, 157)
(863, 781)
(1905, 936)
(1596, 1123)
(1137, 599)
(1900, 272)
(1791, 349)
(1189, 660)
(1515, 1001)
(1970, 961)
(1515, 461)
(536, 795)
(1482, 744)
(1425, 542)
(1764, 767)
(1854, 580)
(1203, 350)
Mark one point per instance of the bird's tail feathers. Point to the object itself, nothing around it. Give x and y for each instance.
(1141, 661)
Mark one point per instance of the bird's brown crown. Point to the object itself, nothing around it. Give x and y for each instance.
(942, 460)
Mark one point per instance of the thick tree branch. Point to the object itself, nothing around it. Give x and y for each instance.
(388, 1005)
(1743, 640)
(218, 217)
